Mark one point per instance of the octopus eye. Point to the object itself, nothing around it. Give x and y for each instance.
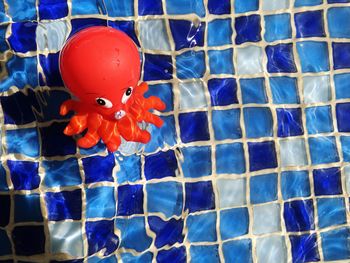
(127, 95)
(104, 103)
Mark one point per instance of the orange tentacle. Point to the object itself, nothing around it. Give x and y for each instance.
(76, 125)
(130, 131)
(91, 137)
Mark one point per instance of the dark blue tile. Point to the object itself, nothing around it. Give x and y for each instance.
(64, 205)
(262, 155)
(53, 9)
(128, 27)
(174, 255)
(289, 122)
(81, 23)
(199, 196)
(157, 67)
(5, 204)
(130, 200)
(190, 64)
(194, 126)
(24, 174)
(99, 148)
(100, 236)
(25, 203)
(304, 248)
(343, 116)
(68, 261)
(28, 240)
(280, 58)
(248, 29)
(23, 37)
(327, 181)
(54, 142)
(101, 172)
(309, 24)
(335, 244)
(219, 7)
(299, 215)
(3, 180)
(186, 34)
(160, 165)
(51, 70)
(263, 188)
(150, 7)
(167, 232)
(223, 92)
(341, 55)
(6, 246)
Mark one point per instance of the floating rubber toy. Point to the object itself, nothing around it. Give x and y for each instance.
(101, 68)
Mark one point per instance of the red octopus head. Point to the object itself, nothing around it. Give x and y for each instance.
(101, 67)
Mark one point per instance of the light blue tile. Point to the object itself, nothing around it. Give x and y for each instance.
(337, 18)
(258, 122)
(219, 32)
(204, 254)
(180, 7)
(342, 85)
(232, 192)
(263, 188)
(196, 161)
(271, 5)
(226, 124)
(316, 89)
(242, 6)
(190, 64)
(313, 56)
(23, 141)
(277, 27)
(153, 34)
(230, 158)
(221, 61)
(271, 249)
(300, 3)
(249, 60)
(238, 251)
(22, 10)
(347, 178)
(202, 228)
(100, 202)
(52, 35)
(130, 168)
(295, 184)
(192, 95)
(331, 211)
(284, 90)
(119, 8)
(293, 152)
(85, 7)
(66, 238)
(266, 219)
(143, 258)
(234, 223)
(253, 90)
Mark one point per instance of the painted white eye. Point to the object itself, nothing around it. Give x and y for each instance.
(104, 103)
(127, 95)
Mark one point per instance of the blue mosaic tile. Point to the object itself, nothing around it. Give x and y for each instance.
(51, 70)
(313, 56)
(28, 240)
(6, 248)
(342, 85)
(180, 7)
(226, 124)
(345, 145)
(3, 16)
(164, 92)
(175, 255)
(335, 244)
(289, 122)
(248, 29)
(190, 64)
(53, 9)
(81, 23)
(304, 248)
(3, 180)
(64, 205)
(201, 228)
(186, 34)
(258, 122)
(323, 150)
(120, 9)
(25, 203)
(196, 161)
(24, 174)
(130, 169)
(165, 197)
(295, 184)
(23, 141)
(319, 119)
(96, 259)
(102, 172)
(337, 1)
(223, 92)
(300, 3)
(167, 232)
(160, 165)
(21, 11)
(218, 7)
(331, 211)
(23, 37)
(143, 258)
(341, 55)
(230, 158)
(338, 17)
(203, 253)
(246, 6)
(219, 32)
(128, 27)
(133, 233)
(253, 90)
(277, 27)
(309, 24)
(157, 67)
(238, 251)
(54, 142)
(85, 7)
(147, 7)
(100, 202)
(221, 61)
(130, 200)
(299, 215)
(234, 223)
(263, 188)
(284, 90)
(280, 58)
(100, 236)
(194, 126)
(199, 196)
(327, 181)
(62, 173)
(262, 155)
(5, 202)
(3, 28)
(342, 112)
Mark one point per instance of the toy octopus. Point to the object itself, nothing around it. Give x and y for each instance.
(101, 68)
